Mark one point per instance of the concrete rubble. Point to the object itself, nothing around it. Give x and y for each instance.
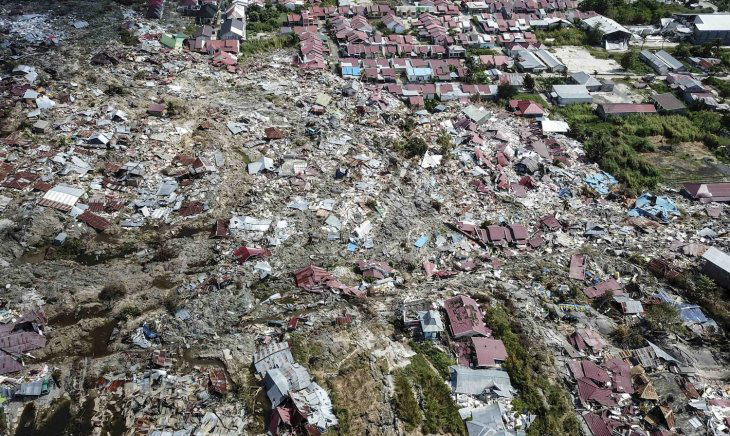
(196, 243)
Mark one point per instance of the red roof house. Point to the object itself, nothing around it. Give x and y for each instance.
(489, 352)
(465, 317)
(526, 108)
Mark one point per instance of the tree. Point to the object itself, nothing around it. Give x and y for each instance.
(663, 316)
(682, 51)
(595, 35)
(415, 146)
(628, 60)
(505, 91)
(529, 82)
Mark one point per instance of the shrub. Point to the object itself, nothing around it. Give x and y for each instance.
(441, 416)
(113, 291)
(440, 360)
(506, 91)
(406, 405)
(415, 147)
(176, 107)
(127, 37)
(537, 395)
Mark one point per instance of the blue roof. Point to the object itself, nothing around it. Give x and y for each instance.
(664, 297)
(350, 71)
(650, 206)
(691, 313)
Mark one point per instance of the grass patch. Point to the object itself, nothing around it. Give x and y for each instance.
(537, 394)
(406, 405)
(562, 36)
(441, 416)
(440, 360)
(260, 46)
(537, 98)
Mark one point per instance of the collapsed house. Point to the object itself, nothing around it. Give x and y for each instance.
(300, 405)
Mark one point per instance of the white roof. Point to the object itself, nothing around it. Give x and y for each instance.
(61, 197)
(552, 126)
(571, 91)
(713, 22)
(606, 24)
(431, 321)
(718, 258)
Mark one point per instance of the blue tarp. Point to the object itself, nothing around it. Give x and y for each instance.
(421, 241)
(148, 332)
(691, 314)
(601, 182)
(654, 207)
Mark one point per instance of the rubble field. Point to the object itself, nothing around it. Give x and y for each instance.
(197, 247)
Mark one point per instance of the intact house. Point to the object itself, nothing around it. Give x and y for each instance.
(711, 28)
(591, 83)
(570, 94)
(431, 324)
(607, 110)
(394, 24)
(232, 29)
(526, 108)
(488, 352)
(552, 63)
(661, 61)
(419, 74)
(207, 14)
(668, 103)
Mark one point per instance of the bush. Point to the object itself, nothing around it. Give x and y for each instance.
(537, 395)
(127, 37)
(406, 405)
(722, 86)
(529, 82)
(415, 147)
(663, 317)
(563, 36)
(176, 107)
(113, 291)
(441, 416)
(506, 91)
(440, 360)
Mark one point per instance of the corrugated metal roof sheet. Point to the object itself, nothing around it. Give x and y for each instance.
(712, 22)
(475, 381)
(62, 197)
(596, 424)
(717, 258)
